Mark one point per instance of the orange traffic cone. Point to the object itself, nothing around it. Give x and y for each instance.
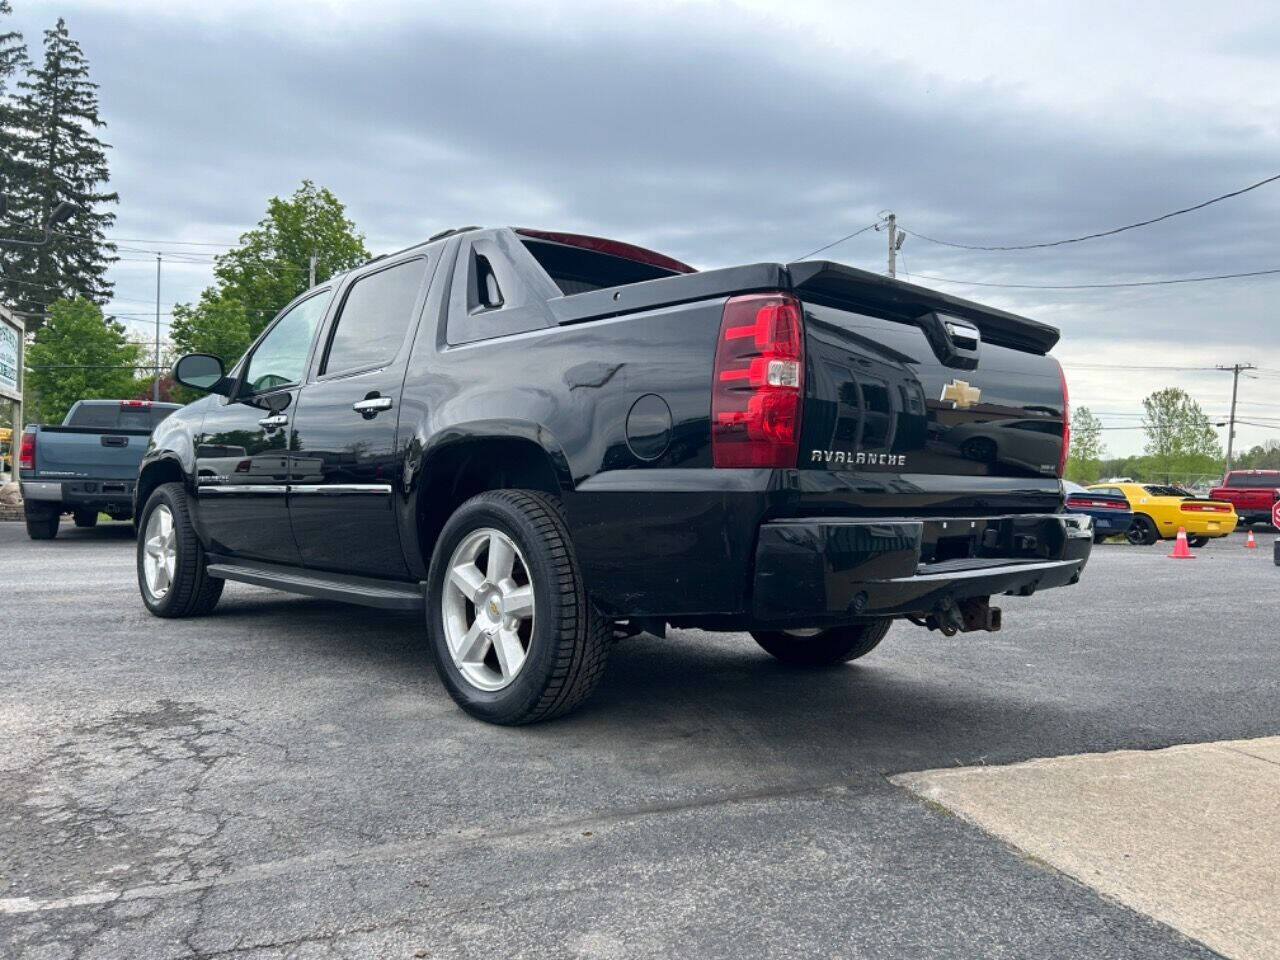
(1251, 544)
(1180, 549)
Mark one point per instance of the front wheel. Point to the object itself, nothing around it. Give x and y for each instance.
(172, 574)
(819, 649)
(512, 631)
(1142, 531)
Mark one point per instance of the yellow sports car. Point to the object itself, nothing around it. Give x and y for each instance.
(1159, 510)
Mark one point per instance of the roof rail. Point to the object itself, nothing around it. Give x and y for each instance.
(431, 239)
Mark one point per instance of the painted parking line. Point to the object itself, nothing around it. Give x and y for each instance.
(1188, 835)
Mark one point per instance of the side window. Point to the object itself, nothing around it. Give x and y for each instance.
(487, 296)
(374, 318)
(280, 357)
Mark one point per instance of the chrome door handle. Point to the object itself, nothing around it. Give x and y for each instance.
(279, 420)
(372, 405)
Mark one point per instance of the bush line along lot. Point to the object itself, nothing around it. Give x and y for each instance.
(288, 778)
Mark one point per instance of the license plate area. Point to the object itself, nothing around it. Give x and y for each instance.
(1013, 538)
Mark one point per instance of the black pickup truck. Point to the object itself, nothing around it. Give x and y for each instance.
(551, 440)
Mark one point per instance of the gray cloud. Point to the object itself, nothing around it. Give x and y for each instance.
(715, 138)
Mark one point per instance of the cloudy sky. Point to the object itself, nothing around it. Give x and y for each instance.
(729, 132)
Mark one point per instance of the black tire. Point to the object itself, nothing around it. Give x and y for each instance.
(1197, 541)
(85, 518)
(42, 520)
(1142, 532)
(837, 645)
(568, 643)
(191, 592)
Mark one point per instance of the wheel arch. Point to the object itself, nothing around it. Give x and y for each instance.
(470, 461)
(165, 469)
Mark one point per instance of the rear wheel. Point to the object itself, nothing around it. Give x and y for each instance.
(511, 629)
(42, 520)
(823, 647)
(85, 518)
(1142, 531)
(172, 573)
(1197, 541)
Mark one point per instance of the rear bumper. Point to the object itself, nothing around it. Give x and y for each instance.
(825, 571)
(1199, 526)
(1109, 522)
(1253, 516)
(108, 496)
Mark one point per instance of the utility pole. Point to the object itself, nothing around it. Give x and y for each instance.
(1235, 369)
(889, 223)
(155, 389)
(311, 271)
(893, 244)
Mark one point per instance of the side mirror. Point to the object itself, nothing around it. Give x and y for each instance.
(201, 371)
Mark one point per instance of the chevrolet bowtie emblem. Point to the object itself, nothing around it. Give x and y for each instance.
(961, 394)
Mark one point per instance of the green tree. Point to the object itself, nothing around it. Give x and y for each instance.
(268, 268)
(1263, 456)
(78, 355)
(1087, 449)
(13, 52)
(13, 63)
(63, 161)
(216, 324)
(14, 172)
(1180, 439)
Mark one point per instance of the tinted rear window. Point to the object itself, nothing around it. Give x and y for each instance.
(577, 270)
(112, 416)
(1253, 480)
(374, 318)
(1163, 491)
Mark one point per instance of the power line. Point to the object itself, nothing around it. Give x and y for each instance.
(1131, 366)
(1101, 286)
(870, 226)
(1103, 233)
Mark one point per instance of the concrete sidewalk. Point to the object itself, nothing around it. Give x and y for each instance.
(1188, 835)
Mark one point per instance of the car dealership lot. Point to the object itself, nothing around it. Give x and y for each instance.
(287, 776)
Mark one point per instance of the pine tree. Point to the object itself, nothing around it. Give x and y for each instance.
(13, 64)
(58, 111)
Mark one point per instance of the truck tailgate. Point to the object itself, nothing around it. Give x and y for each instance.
(897, 421)
(74, 452)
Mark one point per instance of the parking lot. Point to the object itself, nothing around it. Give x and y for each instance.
(288, 778)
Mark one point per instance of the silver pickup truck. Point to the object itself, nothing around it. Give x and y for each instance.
(86, 466)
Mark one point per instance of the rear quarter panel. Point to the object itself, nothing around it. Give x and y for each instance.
(621, 406)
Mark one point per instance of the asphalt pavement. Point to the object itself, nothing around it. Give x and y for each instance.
(287, 777)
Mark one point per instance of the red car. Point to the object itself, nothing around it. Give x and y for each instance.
(1252, 492)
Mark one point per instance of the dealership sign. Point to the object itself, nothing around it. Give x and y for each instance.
(10, 358)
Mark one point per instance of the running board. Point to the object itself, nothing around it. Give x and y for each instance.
(366, 591)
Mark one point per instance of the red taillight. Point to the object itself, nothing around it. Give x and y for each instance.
(1066, 425)
(1080, 501)
(757, 383)
(27, 451)
(1206, 507)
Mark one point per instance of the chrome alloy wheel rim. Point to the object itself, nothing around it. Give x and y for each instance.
(160, 552)
(487, 608)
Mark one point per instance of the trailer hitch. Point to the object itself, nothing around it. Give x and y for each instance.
(976, 613)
